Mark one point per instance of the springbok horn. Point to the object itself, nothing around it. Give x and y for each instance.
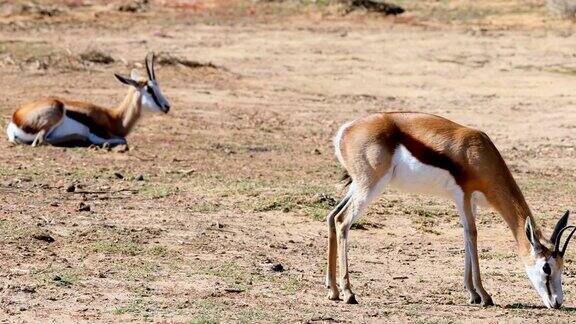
(150, 66)
(557, 249)
(562, 222)
(567, 241)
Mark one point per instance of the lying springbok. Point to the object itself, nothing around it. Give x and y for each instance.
(58, 121)
(424, 153)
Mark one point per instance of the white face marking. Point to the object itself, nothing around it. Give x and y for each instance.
(549, 287)
(153, 99)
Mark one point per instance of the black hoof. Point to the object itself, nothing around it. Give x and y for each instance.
(475, 299)
(487, 302)
(351, 299)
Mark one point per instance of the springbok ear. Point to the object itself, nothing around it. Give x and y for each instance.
(562, 222)
(531, 235)
(126, 80)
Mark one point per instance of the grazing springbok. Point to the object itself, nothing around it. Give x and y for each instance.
(58, 121)
(423, 153)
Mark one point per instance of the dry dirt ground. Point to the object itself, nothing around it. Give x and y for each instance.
(188, 224)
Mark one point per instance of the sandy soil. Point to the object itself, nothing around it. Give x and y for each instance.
(189, 224)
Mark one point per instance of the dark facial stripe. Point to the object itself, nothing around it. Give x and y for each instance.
(153, 95)
(548, 286)
(88, 122)
(547, 270)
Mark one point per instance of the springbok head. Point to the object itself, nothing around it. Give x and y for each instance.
(152, 97)
(545, 266)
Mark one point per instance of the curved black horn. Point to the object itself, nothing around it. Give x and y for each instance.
(562, 222)
(567, 241)
(150, 66)
(557, 249)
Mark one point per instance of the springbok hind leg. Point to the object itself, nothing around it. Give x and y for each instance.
(472, 276)
(343, 223)
(332, 257)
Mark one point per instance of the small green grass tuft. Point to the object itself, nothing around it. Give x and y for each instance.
(291, 286)
(284, 203)
(123, 248)
(157, 191)
(205, 207)
(158, 250)
(63, 278)
(136, 307)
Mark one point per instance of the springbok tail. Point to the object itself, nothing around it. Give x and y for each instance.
(10, 132)
(346, 178)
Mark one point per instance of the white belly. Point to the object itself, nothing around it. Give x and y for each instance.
(67, 127)
(411, 175)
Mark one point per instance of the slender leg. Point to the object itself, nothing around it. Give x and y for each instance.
(39, 140)
(468, 283)
(343, 224)
(472, 277)
(332, 246)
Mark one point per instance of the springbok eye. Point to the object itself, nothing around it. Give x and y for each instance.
(547, 269)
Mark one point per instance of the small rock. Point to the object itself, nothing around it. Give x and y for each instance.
(28, 289)
(233, 290)
(54, 204)
(187, 172)
(135, 6)
(43, 237)
(277, 267)
(317, 152)
(71, 188)
(118, 175)
(139, 178)
(83, 207)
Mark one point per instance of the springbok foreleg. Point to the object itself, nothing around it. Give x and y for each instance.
(40, 136)
(472, 276)
(468, 281)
